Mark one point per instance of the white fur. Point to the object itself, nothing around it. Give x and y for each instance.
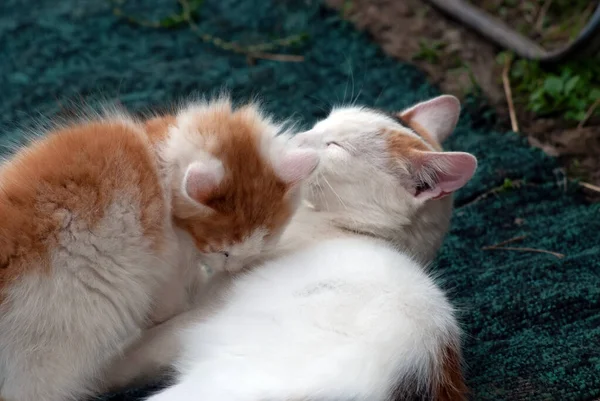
(336, 312)
(71, 322)
(356, 185)
(345, 319)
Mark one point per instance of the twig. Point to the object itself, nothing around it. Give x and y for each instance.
(254, 51)
(508, 93)
(290, 58)
(589, 113)
(258, 51)
(508, 241)
(499, 246)
(496, 190)
(510, 248)
(589, 186)
(136, 21)
(542, 14)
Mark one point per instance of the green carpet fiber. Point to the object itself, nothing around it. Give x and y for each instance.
(531, 320)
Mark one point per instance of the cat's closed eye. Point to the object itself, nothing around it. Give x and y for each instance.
(226, 254)
(333, 143)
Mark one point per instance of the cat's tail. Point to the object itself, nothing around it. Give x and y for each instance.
(427, 346)
(448, 383)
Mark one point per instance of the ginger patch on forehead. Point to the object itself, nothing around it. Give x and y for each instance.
(419, 130)
(401, 145)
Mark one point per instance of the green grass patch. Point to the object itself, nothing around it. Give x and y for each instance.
(568, 90)
(430, 51)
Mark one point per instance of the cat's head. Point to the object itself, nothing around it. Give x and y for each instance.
(386, 174)
(235, 183)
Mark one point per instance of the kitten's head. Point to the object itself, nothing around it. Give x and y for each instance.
(235, 183)
(386, 174)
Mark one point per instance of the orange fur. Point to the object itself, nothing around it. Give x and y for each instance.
(250, 196)
(72, 171)
(68, 272)
(415, 126)
(157, 127)
(451, 385)
(401, 144)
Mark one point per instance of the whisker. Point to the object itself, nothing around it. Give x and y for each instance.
(319, 106)
(351, 77)
(361, 88)
(379, 96)
(335, 193)
(322, 192)
(345, 90)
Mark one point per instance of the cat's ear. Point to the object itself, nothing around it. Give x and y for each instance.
(296, 165)
(438, 116)
(438, 174)
(202, 179)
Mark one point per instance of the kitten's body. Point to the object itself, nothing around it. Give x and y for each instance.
(88, 245)
(85, 234)
(349, 318)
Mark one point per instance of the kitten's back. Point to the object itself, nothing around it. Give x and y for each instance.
(73, 174)
(84, 233)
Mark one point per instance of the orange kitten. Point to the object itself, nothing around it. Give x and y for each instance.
(246, 178)
(88, 240)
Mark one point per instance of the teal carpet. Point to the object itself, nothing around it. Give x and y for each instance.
(531, 321)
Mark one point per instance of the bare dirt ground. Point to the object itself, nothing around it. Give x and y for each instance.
(460, 62)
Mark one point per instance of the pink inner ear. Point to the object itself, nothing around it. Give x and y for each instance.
(296, 165)
(452, 169)
(437, 116)
(202, 179)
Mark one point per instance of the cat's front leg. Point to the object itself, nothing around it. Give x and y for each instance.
(171, 298)
(151, 356)
(159, 346)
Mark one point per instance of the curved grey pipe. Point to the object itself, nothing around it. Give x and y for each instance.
(504, 36)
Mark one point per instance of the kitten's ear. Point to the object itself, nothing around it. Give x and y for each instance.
(202, 179)
(296, 165)
(438, 174)
(437, 116)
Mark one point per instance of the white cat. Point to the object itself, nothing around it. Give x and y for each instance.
(386, 175)
(339, 312)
